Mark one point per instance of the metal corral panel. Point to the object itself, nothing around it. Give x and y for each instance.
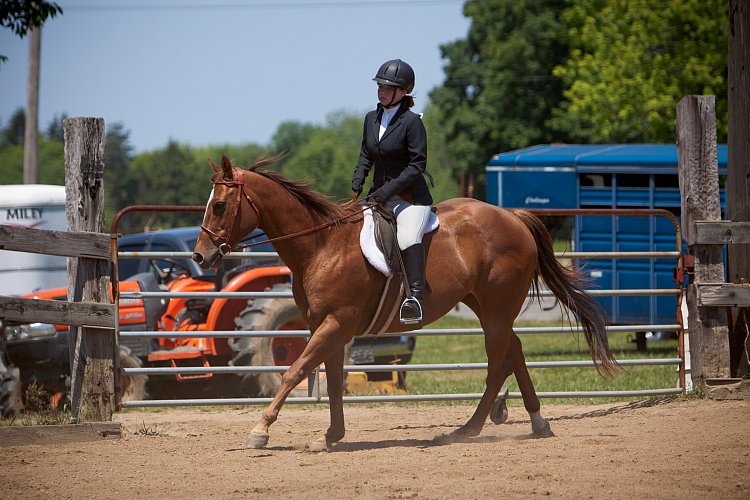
(605, 176)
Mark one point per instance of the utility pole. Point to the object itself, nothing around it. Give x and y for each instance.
(30, 146)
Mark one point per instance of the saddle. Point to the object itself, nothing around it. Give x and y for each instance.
(384, 229)
(394, 291)
(383, 232)
(385, 238)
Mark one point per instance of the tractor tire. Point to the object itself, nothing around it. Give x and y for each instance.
(269, 314)
(10, 393)
(133, 387)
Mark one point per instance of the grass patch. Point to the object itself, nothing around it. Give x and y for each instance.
(50, 417)
(149, 430)
(537, 347)
(38, 410)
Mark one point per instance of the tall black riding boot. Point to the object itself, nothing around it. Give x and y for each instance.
(411, 309)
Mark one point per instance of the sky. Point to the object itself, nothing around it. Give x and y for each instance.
(202, 72)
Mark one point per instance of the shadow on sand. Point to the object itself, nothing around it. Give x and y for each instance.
(453, 438)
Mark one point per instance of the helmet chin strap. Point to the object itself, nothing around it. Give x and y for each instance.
(393, 96)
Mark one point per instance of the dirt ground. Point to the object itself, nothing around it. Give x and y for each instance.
(659, 448)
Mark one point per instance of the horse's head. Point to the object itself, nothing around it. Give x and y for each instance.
(227, 219)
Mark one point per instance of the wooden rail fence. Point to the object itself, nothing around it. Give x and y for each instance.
(89, 309)
(66, 244)
(709, 297)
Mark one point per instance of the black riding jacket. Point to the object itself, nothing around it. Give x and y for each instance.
(400, 157)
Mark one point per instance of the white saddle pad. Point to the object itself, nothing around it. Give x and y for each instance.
(370, 249)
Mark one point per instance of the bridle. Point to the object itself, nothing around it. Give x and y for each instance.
(237, 181)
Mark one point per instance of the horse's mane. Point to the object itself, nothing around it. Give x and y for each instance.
(321, 206)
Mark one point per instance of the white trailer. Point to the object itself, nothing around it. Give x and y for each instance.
(39, 206)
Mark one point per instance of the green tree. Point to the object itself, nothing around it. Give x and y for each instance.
(439, 158)
(631, 61)
(499, 90)
(23, 15)
(11, 164)
(50, 161)
(174, 175)
(241, 155)
(118, 181)
(51, 158)
(161, 177)
(290, 137)
(328, 157)
(55, 129)
(13, 133)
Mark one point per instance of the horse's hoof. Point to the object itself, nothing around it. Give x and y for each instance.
(257, 440)
(499, 413)
(444, 439)
(542, 431)
(319, 445)
(463, 434)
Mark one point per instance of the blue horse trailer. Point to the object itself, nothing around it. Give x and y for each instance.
(605, 176)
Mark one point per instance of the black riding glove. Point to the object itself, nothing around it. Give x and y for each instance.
(378, 196)
(357, 184)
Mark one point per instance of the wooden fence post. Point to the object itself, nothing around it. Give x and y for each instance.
(92, 349)
(738, 171)
(698, 170)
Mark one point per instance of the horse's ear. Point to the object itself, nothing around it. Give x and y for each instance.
(226, 166)
(216, 168)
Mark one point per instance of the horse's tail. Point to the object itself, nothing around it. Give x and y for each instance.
(567, 284)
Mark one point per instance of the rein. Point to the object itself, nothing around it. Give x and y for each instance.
(300, 233)
(237, 181)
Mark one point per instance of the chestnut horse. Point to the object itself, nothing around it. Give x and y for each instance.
(481, 255)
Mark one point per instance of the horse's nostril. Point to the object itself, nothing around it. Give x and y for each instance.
(198, 258)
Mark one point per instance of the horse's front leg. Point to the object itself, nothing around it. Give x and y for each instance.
(324, 343)
(335, 380)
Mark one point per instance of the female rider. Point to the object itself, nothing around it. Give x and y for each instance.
(394, 141)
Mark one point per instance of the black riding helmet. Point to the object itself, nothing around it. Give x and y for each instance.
(396, 73)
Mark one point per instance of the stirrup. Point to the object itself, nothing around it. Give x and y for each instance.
(411, 305)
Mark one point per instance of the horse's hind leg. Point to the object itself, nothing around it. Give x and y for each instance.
(499, 413)
(516, 362)
(496, 341)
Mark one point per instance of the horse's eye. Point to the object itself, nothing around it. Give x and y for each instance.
(219, 206)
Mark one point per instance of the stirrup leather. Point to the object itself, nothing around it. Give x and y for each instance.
(411, 305)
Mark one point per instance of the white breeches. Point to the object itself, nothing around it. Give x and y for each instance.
(411, 221)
